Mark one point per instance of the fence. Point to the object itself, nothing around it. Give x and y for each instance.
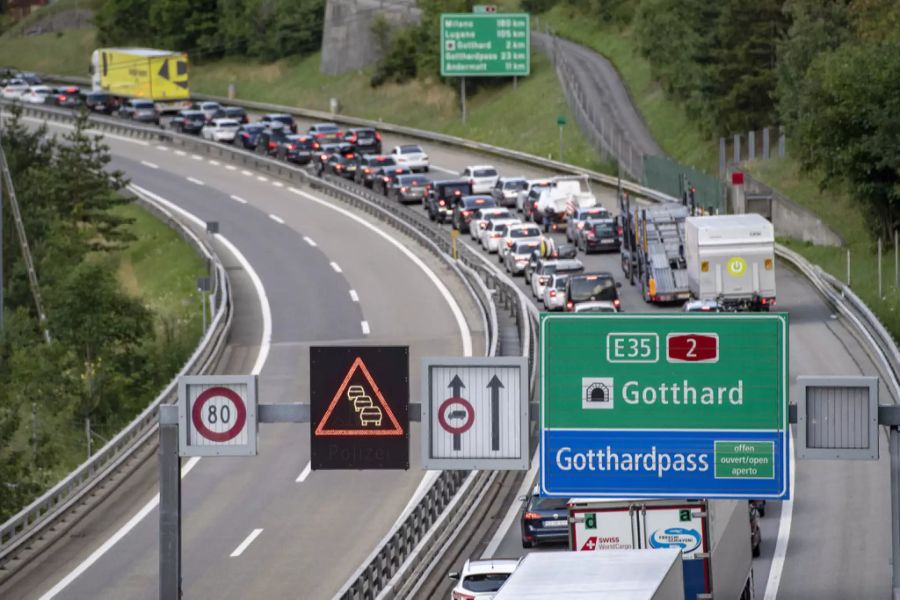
(754, 145)
(675, 179)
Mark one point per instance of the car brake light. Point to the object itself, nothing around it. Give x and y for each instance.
(245, 135)
(61, 98)
(589, 235)
(377, 136)
(457, 193)
(466, 213)
(461, 596)
(530, 516)
(619, 230)
(441, 202)
(580, 225)
(349, 155)
(509, 243)
(553, 293)
(495, 235)
(482, 225)
(616, 303)
(386, 178)
(570, 305)
(290, 146)
(353, 139)
(404, 189)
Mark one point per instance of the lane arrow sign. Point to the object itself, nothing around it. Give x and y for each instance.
(495, 384)
(456, 386)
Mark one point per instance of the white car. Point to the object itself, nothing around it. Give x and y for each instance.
(517, 233)
(482, 579)
(494, 232)
(209, 109)
(523, 193)
(411, 156)
(482, 178)
(596, 306)
(14, 89)
(36, 94)
(545, 270)
(483, 216)
(220, 130)
(554, 297)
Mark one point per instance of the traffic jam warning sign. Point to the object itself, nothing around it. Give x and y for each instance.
(217, 415)
(475, 413)
(359, 407)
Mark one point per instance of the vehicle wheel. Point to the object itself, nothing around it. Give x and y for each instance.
(757, 550)
(527, 544)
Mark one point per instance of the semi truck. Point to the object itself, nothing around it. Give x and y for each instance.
(731, 260)
(143, 73)
(653, 249)
(561, 197)
(614, 575)
(713, 537)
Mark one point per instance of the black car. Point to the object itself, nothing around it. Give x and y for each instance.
(367, 166)
(326, 133)
(65, 97)
(385, 176)
(365, 139)
(324, 154)
(188, 121)
(143, 111)
(590, 287)
(544, 521)
(465, 206)
(232, 112)
(286, 120)
(298, 149)
(342, 163)
(100, 102)
(597, 234)
(247, 134)
(268, 140)
(407, 188)
(442, 195)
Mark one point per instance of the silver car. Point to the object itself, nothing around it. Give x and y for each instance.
(483, 216)
(518, 233)
(517, 257)
(493, 234)
(596, 306)
(481, 177)
(546, 268)
(554, 297)
(507, 189)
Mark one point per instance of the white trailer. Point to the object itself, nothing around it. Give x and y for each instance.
(713, 537)
(614, 575)
(731, 259)
(561, 197)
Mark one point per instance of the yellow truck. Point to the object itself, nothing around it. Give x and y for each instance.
(143, 73)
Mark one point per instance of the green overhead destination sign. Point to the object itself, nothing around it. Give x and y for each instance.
(485, 45)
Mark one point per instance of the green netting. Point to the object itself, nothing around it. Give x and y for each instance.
(672, 178)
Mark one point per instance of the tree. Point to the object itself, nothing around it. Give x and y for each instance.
(124, 22)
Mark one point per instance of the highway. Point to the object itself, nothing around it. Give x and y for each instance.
(317, 531)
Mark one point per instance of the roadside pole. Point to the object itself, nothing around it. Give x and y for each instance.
(561, 122)
(462, 97)
(895, 508)
(169, 505)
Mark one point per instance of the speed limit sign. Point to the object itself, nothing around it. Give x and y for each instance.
(217, 415)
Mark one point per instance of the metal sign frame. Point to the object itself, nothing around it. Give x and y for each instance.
(520, 463)
(184, 417)
(804, 384)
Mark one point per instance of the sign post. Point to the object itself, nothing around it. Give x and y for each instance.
(561, 121)
(678, 406)
(475, 413)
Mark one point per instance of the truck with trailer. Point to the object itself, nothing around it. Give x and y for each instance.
(144, 74)
(653, 249)
(731, 260)
(562, 196)
(713, 537)
(614, 575)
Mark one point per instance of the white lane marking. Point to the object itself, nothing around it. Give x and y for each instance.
(277, 184)
(784, 534)
(195, 180)
(196, 157)
(246, 172)
(336, 267)
(309, 241)
(231, 167)
(304, 473)
(365, 327)
(214, 163)
(513, 511)
(277, 219)
(247, 541)
(163, 148)
(180, 153)
(354, 296)
(238, 199)
(464, 332)
(261, 178)
(443, 170)
(149, 164)
(122, 532)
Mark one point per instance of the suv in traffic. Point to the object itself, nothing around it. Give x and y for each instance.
(365, 139)
(442, 195)
(588, 287)
(465, 207)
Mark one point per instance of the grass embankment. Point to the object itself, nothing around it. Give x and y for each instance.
(683, 141)
(61, 53)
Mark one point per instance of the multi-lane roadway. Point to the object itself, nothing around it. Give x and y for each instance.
(327, 276)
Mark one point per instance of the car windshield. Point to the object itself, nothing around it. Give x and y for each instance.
(484, 173)
(525, 232)
(410, 149)
(228, 124)
(527, 247)
(548, 269)
(254, 128)
(604, 229)
(550, 504)
(382, 161)
(458, 189)
(142, 104)
(593, 287)
(500, 227)
(286, 119)
(412, 180)
(505, 214)
(592, 212)
(326, 128)
(479, 202)
(514, 185)
(365, 134)
(235, 111)
(486, 582)
(210, 106)
(560, 283)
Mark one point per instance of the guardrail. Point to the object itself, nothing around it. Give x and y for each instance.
(45, 510)
(387, 557)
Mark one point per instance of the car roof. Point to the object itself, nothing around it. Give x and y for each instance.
(473, 167)
(586, 306)
(508, 179)
(529, 225)
(225, 122)
(451, 182)
(479, 567)
(279, 115)
(602, 274)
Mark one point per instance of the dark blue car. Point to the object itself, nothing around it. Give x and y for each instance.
(545, 521)
(246, 135)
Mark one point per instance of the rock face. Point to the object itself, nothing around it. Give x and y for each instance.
(348, 42)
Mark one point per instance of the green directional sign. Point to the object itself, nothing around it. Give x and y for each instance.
(485, 44)
(664, 405)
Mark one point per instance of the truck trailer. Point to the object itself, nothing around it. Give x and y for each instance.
(731, 260)
(613, 575)
(653, 249)
(562, 196)
(143, 73)
(713, 537)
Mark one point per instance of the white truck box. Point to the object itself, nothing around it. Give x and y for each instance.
(612, 575)
(564, 195)
(731, 258)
